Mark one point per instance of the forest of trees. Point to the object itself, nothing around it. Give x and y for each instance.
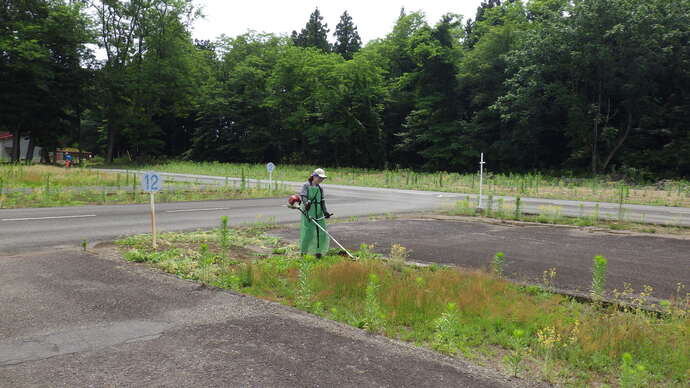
(591, 86)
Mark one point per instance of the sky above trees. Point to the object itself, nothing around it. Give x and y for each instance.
(374, 19)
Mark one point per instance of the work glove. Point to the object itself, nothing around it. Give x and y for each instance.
(307, 205)
(327, 215)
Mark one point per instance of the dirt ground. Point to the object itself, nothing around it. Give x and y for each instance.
(658, 261)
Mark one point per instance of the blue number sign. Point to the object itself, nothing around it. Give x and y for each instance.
(151, 182)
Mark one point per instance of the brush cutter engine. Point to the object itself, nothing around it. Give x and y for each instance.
(294, 200)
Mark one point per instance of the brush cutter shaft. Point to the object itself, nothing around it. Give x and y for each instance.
(323, 230)
(332, 238)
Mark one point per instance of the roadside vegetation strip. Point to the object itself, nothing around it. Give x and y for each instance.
(666, 193)
(46, 186)
(501, 210)
(525, 330)
(42, 176)
(96, 197)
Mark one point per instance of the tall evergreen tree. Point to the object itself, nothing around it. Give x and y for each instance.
(347, 40)
(431, 128)
(314, 34)
(471, 35)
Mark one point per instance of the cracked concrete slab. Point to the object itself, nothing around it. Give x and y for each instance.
(78, 340)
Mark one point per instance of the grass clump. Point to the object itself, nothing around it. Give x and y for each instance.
(632, 375)
(224, 236)
(373, 316)
(398, 257)
(514, 360)
(304, 295)
(497, 263)
(531, 333)
(447, 329)
(599, 269)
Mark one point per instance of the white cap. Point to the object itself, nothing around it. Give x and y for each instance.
(320, 173)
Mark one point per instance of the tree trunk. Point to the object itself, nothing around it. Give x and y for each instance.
(620, 141)
(16, 144)
(30, 150)
(81, 151)
(595, 136)
(111, 145)
(45, 156)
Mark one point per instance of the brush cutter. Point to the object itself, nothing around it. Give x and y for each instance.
(293, 203)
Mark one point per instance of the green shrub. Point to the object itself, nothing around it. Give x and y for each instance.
(599, 269)
(497, 263)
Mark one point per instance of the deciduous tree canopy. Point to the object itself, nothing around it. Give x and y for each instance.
(593, 86)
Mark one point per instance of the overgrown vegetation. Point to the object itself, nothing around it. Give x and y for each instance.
(552, 215)
(526, 329)
(671, 193)
(599, 270)
(47, 177)
(43, 186)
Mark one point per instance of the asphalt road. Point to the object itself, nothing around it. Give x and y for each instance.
(24, 230)
(91, 320)
(530, 249)
(664, 215)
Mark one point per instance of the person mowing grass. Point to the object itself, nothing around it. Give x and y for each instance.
(313, 241)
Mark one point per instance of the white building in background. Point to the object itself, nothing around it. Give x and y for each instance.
(7, 143)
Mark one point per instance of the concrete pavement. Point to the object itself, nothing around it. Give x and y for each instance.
(73, 319)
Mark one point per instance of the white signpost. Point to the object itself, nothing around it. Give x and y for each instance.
(151, 183)
(481, 179)
(270, 167)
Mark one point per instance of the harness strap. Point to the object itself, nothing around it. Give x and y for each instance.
(316, 213)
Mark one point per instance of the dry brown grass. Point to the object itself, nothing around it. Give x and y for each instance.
(345, 279)
(40, 175)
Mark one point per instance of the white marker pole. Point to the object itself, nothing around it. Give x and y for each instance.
(481, 179)
(151, 182)
(270, 167)
(153, 221)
